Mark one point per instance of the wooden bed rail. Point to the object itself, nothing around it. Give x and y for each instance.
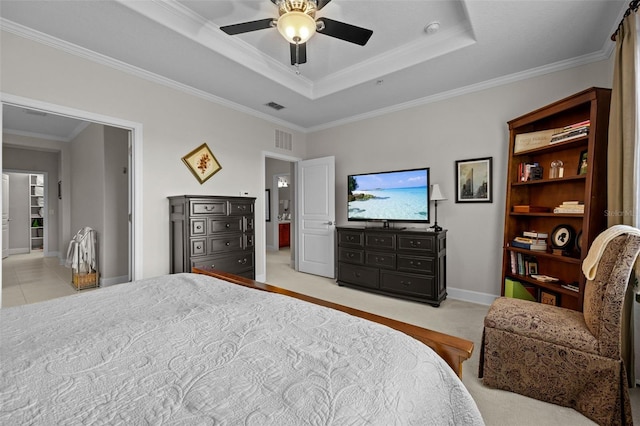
(454, 350)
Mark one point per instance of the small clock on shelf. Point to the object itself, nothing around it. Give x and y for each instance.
(563, 238)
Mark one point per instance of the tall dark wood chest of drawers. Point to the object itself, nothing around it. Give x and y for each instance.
(212, 232)
(408, 263)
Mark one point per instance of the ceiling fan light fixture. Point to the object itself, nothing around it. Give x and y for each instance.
(296, 27)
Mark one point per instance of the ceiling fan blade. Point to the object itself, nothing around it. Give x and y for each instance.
(301, 54)
(245, 27)
(346, 32)
(321, 3)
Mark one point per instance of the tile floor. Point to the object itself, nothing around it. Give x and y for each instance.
(30, 278)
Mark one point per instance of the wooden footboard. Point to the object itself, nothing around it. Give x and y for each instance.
(453, 350)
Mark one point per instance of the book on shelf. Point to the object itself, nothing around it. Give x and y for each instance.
(561, 210)
(578, 124)
(570, 207)
(539, 246)
(530, 209)
(572, 287)
(544, 278)
(536, 235)
(570, 133)
(533, 140)
(529, 171)
(523, 264)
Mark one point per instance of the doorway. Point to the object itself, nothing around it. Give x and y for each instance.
(279, 168)
(26, 201)
(133, 161)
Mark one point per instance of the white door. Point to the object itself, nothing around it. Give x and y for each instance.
(315, 183)
(5, 215)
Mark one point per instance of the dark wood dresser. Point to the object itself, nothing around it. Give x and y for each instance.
(212, 232)
(408, 263)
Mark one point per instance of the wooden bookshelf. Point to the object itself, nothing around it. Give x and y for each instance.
(589, 188)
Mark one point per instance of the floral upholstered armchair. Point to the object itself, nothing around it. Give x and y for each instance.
(567, 357)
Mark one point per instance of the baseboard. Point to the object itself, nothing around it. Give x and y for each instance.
(106, 282)
(18, 250)
(471, 296)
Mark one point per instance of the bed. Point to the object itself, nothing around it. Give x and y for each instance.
(202, 349)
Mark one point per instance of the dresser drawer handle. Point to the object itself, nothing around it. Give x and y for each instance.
(242, 261)
(405, 283)
(227, 243)
(227, 225)
(209, 208)
(213, 265)
(198, 247)
(350, 255)
(198, 227)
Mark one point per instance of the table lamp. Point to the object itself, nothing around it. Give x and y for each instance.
(436, 195)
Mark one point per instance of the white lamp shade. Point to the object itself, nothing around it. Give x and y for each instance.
(436, 194)
(296, 27)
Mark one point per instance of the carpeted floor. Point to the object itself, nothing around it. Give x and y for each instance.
(454, 317)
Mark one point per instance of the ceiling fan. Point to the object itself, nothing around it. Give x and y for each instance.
(297, 24)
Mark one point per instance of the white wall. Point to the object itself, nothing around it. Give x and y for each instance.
(174, 123)
(436, 135)
(87, 184)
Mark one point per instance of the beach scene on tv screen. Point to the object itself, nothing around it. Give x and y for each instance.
(389, 196)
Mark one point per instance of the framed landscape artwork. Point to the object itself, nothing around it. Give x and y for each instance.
(474, 180)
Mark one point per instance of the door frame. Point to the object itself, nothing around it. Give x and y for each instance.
(135, 157)
(263, 243)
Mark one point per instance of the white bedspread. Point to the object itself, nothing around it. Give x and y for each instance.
(189, 349)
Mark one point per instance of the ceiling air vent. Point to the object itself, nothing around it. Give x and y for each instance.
(275, 106)
(283, 140)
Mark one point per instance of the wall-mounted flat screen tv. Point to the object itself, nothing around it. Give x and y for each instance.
(394, 196)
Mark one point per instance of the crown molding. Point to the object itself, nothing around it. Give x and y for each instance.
(182, 20)
(416, 52)
(601, 55)
(35, 135)
(56, 43)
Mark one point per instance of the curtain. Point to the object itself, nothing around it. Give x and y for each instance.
(622, 168)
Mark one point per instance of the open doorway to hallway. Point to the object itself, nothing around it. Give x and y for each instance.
(280, 226)
(90, 183)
